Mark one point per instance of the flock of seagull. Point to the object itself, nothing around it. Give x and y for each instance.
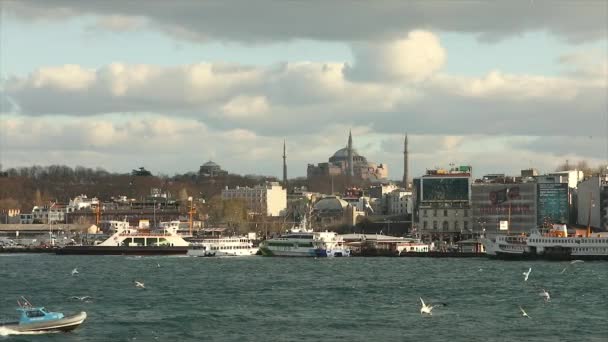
(88, 299)
(428, 309)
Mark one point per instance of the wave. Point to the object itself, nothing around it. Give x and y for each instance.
(8, 332)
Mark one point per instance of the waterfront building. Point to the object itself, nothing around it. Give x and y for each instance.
(269, 199)
(82, 202)
(442, 203)
(592, 198)
(399, 202)
(514, 203)
(554, 200)
(348, 162)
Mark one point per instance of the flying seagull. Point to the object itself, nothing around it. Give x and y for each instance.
(139, 284)
(571, 263)
(75, 271)
(83, 298)
(425, 309)
(527, 274)
(523, 313)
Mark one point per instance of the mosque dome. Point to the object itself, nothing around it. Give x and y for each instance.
(342, 155)
(330, 204)
(210, 164)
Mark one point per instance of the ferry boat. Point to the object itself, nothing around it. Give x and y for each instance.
(305, 244)
(222, 246)
(126, 240)
(554, 244)
(38, 319)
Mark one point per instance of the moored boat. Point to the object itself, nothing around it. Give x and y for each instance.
(554, 244)
(38, 319)
(305, 244)
(222, 246)
(126, 240)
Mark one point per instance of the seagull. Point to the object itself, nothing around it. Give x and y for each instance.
(139, 284)
(527, 274)
(75, 271)
(83, 298)
(571, 263)
(157, 265)
(545, 295)
(523, 313)
(425, 309)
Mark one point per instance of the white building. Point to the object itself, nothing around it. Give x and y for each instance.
(82, 202)
(269, 199)
(399, 202)
(573, 177)
(46, 214)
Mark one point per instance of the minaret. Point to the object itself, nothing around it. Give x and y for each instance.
(284, 165)
(350, 165)
(405, 164)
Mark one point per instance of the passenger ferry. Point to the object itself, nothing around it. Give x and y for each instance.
(305, 244)
(553, 245)
(136, 241)
(222, 246)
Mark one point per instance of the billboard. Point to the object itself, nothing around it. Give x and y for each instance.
(553, 203)
(445, 188)
(515, 203)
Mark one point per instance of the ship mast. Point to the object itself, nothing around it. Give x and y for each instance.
(589, 214)
(191, 214)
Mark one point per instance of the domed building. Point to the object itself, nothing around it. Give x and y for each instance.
(348, 162)
(211, 169)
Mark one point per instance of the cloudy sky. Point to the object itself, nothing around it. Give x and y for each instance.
(171, 84)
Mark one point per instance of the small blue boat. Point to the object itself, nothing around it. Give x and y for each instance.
(39, 319)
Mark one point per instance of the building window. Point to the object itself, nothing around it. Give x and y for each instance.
(425, 225)
(445, 225)
(445, 212)
(424, 213)
(435, 225)
(466, 213)
(434, 212)
(456, 225)
(466, 224)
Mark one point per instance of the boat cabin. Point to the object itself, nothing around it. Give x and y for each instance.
(37, 314)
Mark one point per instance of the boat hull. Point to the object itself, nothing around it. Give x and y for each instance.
(65, 324)
(122, 250)
(548, 256)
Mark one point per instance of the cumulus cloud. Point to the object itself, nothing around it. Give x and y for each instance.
(415, 57)
(267, 20)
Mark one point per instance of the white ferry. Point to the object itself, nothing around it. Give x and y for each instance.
(222, 246)
(305, 244)
(130, 240)
(554, 245)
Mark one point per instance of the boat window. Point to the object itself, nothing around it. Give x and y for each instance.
(34, 313)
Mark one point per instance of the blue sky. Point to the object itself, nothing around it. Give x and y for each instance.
(468, 83)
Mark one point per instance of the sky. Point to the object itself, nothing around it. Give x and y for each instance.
(501, 86)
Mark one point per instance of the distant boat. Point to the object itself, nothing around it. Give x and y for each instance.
(554, 244)
(222, 246)
(38, 319)
(133, 241)
(305, 244)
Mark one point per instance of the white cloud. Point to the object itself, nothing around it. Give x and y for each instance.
(415, 57)
(245, 107)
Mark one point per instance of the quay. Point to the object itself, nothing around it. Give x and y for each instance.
(27, 250)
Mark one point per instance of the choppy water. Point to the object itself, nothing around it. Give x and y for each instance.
(289, 299)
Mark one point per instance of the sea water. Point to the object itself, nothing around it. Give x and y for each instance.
(308, 299)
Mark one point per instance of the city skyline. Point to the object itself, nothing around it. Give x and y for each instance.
(139, 85)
